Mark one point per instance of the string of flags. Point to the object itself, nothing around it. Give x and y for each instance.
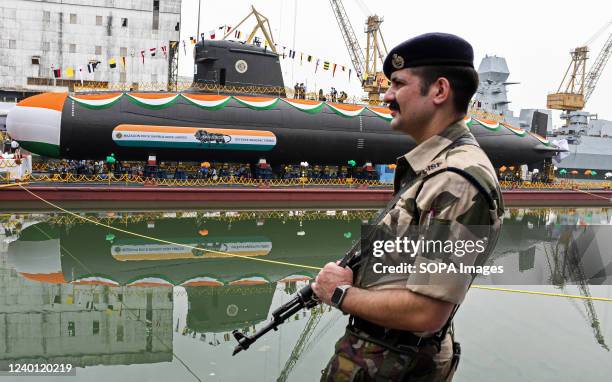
(284, 53)
(93, 65)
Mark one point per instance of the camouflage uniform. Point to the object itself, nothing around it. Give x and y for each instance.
(446, 200)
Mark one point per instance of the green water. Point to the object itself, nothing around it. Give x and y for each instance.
(125, 308)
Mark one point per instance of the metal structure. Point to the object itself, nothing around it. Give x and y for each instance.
(173, 66)
(373, 80)
(350, 39)
(309, 328)
(597, 69)
(262, 23)
(570, 95)
(563, 264)
(578, 85)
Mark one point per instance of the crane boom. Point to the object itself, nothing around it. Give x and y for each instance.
(600, 62)
(350, 39)
(311, 325)
(578, 84)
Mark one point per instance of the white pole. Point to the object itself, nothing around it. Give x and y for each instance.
(199, 6)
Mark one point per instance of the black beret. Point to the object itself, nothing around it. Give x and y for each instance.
(429, 49)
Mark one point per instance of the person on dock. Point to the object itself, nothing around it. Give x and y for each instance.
(400, 326)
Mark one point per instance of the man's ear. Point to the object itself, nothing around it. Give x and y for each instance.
(441, 91)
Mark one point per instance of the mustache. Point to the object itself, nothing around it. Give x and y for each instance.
(393, 106)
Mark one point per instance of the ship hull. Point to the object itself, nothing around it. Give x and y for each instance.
(233, 129)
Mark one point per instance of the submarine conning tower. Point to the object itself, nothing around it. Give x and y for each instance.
(231, 66)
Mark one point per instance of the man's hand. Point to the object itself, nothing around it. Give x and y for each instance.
(330, 277)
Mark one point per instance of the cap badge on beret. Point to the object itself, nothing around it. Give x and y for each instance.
(397, 61)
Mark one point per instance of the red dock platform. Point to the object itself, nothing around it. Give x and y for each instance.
(147, 197)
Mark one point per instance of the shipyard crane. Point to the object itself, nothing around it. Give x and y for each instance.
(313, 321)
(566, 264)
(373, 80)
(262, 23)
(578, 85)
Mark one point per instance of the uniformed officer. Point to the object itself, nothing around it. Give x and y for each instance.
(400, 325)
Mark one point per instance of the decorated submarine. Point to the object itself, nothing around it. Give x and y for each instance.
(232, 126)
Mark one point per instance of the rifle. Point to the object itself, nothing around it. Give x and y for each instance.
(305, 298)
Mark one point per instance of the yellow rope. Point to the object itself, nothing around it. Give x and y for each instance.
(294, 264)
(12, 184)
(590, 193)
(543, 293)
(166, 241)
(128, 309)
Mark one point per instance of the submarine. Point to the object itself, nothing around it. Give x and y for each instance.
(233, 126)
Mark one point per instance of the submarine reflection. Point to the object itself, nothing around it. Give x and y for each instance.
(83, 280)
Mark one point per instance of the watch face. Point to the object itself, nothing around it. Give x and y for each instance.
(335, 299)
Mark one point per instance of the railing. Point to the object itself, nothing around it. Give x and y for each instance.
(279, 183)
(245, 89)
(220, 181)
(234, 216)
(10, 163)
(563, 185)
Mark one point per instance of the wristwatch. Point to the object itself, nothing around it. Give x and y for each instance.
(338, 296)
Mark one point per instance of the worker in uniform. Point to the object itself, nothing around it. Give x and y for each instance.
(400, 326)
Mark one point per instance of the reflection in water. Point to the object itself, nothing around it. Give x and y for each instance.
(82, 324)
(83, 293)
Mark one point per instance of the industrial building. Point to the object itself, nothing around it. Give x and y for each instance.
(53, 45)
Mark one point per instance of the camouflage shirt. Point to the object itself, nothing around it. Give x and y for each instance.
(449, 207)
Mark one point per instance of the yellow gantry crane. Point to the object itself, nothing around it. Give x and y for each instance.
(578, 85)
(373, 80)
(262, 23)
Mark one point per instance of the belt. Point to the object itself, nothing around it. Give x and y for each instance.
(392, 337)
